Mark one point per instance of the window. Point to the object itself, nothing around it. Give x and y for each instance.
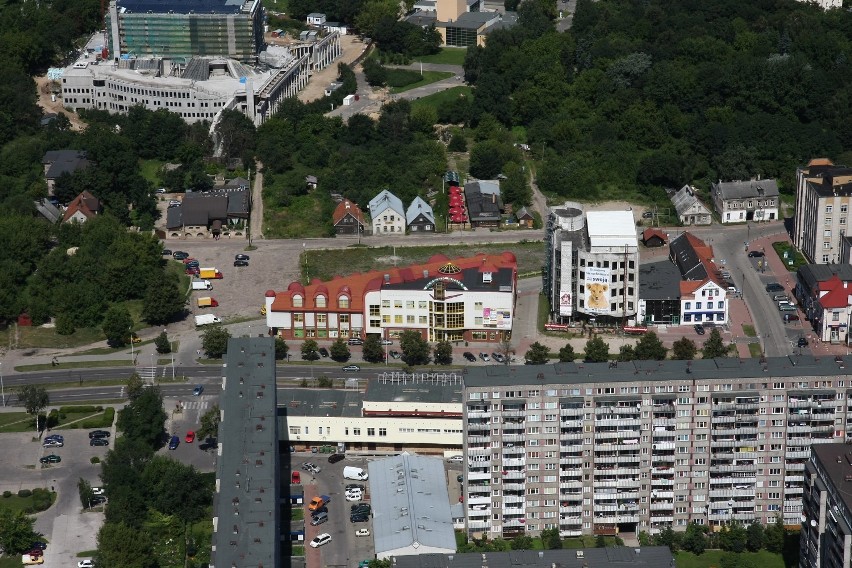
(829, 208)
(687, 305)
(397, 304)
(356, 431)
(343, 302)
(320, 301)
(386, 303)
(322, 319)
(371, 431)
(397, 319)
(383, 432)
(298, 301)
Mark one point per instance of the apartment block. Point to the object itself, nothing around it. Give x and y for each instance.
(826, 535)
(823, 197)
(610, 448)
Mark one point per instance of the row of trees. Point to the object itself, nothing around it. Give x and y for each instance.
(649, 347)
(734, 537)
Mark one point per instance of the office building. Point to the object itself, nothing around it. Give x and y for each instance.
(464, 299)
(592, 264)
(826, 536)
(823, 196)
(597, 448)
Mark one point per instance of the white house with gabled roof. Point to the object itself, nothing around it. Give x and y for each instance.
(387, 215)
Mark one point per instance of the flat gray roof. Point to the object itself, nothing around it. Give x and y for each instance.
(836, 461)
(659, 281)
(320, 402)
(414, 392)
(610, 557)
(411, 504)
(633, 371)
(246, 502)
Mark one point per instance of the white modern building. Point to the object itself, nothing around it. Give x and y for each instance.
(387, 213)
(592, 264)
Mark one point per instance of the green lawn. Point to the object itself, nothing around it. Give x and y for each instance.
(428, 77)
(712, 559)
(74, 365)
(16, 422)
(25, 504)
(72, 417)
(298, 550)
(792, 254)
(298, 220)
(755, 350)
(325, 264)
(447, 56)
(10, 562)
(150, 170)
(749, 330)
(297, 514)
(437, 100)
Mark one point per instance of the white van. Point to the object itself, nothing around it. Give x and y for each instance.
(350, 472)
(201, 285)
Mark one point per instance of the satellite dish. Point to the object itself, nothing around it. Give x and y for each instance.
(813, 523)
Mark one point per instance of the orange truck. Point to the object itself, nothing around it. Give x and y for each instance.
(210, 273)
(207, 302)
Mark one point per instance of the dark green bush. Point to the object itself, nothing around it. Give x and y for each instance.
(95, 459)
(24, 493)
(7, 494)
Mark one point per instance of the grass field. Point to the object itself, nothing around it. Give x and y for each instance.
(444, 97)
(150, 170)
(71, 420)
(712, 559)
(798, 260)
(326, 264)
(447, 56)
(296, 221)
(749, 330)
(15, 503)
(10, 562)
(755, 350)
(74, 365)
(428, 77)
(16, 422)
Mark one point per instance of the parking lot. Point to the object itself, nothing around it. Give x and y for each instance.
(188, 418)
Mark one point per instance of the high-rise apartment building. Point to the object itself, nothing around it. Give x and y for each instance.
(823, 197)
(826, 536)
(597, 448)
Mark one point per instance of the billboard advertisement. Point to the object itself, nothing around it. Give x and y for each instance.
(499, 318)
(566, 292)
(597, 289)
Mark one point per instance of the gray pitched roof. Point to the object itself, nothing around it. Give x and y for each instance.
(483, 200)
(237, 203)
(523, 212)
(683, 254)
(48, 210)
(64, 161)
(384, 200)
(685, 198)
(745, 189)
(173, 217)
(419, 207)
(610, 557)
(812, 274)
(411, 505)
(201, 209)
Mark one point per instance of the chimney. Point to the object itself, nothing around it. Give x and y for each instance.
(347, 205)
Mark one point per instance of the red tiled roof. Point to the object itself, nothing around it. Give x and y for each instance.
(85, 203)
(358, 284)
(837, 295)
(648, 233)
(345, 207)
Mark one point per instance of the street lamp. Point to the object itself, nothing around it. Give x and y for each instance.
(132, 359)
(2, 388)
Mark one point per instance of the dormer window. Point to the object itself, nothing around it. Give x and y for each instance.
(486, 277)
(298, 301)
(320, 301)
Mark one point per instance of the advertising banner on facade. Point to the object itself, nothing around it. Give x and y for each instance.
(566, 290)
(501, 319)
(597, 286)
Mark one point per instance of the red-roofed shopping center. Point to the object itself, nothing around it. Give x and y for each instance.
(463, 299)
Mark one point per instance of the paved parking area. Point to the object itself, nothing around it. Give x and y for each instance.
(66, 526)
(189, 418)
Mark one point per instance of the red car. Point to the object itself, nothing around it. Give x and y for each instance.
(192, 271)
(188, 260)
(295, 478)
(36, 552)
(190, 436)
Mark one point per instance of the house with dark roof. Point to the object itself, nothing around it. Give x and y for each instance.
(703, 292)
(48, 210)
(58, 162)
(653, 238)
(484, 204)
(525, 217)
(824, 292)
(348, 219)
(751, 200)
(222, 212)
(419, 217)
(84, 207)
(659, 294)
(690, 209)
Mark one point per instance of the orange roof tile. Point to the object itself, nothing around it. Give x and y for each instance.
(345, 207)
(837, 295)
(85, 203)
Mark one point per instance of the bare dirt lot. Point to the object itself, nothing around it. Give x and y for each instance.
(352, 48)
(45, 90)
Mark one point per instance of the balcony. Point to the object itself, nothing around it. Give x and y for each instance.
(732, 493)
(577, 460)
(662, 518)
(657, 494)
(620, 421)
(615, 519)
(514, 462)
(574, 484)
(664, 422)
(576, 411)
(513, 498)
(793, 492)
(629, 444)
(513, 438)
(661, 482)
(662, 506)
(662, 446)
(508, 486)
(623, 411)
(481, 439)
(478, 499)
(733, 468)
(625, 483)
(478, 475)
(478, 525)
(797, 454)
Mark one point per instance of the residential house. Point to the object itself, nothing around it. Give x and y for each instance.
(84, 207)
(484, 204)
(316, 19)
(689, 208)
(348, 219)
(525, 218)
(312, 181)
(200, 215)
(703, 292)
(48, 210)
(823, 198)
(419, 217)
(58, 162)
(823, 292)
(338, 27)
(741, 201)
(653, 238)
(387, 213)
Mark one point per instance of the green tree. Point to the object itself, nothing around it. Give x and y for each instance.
(522, 542)
(310, 350)
(684, 349)
(668, 537)
(600, 541)
(163, 301)
(551, 539)
(143, 418)
(135, 386)
(516, 189)
(567, 354)
(373, 12)
(281, 349)
(774, 536)
(714, 347)
(650, 348)
(372, 350)
(236, 134)
(754, 537)
(214, 341)
(443, 353)
(626, 353)
(117, 325)
(415, 349)
(120, 472)
(339, 350)
(35, 399)
(596, 350)
(537, 354)
(123, 545)
(174, 488)
(209, 423)
(163, 344)
(694, 539)
(84, 488)
(16, 531)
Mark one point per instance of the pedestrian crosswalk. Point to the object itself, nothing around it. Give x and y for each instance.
(196, 404)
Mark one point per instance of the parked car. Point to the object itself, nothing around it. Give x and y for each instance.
(242, 257)
(803, 342)
(241, 263)
(52, 458)
(362, 532)
(320, 540)
(395, 354)
(774, 287)
(99, 442)
(361, 507)
(352, 497)
(755, 254)
(460, 478)
(308, 466)
(469, 356)
(791, 317)
(334, 458)
(359, 518)
(319, 519)
(161, 190)
(699, 329)
(198, 390)
(52, 444)
(167, 252)
(174, 442)
(190, 437)
(38, 544)
(352, 368)
(354, 486)
(97, 490)
(497, 357)
(99, 434)
(318, 501)
(85, 564)
(648, 215)
(97, 500)
(484, 357)
(355, 341)
(174, 203)
(180, 255)
(323, 351)
(458, 458)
